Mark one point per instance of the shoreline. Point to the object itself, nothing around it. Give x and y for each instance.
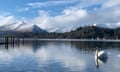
(92, 40)
(47, 39)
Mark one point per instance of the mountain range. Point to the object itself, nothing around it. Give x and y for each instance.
(22, 26)
(22, 29)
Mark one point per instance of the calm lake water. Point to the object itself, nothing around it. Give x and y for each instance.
(58, 56)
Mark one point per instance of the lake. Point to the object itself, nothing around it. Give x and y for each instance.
(58, 56)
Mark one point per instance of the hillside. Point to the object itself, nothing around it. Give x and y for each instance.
(88, 32)
(91, 32)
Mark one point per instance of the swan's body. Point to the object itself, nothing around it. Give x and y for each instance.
(100, 56)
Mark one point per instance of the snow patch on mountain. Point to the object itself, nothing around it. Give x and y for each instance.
(22, 27)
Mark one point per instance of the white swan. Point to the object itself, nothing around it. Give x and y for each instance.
(100, 56)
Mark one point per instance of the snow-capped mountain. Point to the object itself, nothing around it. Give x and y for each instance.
(22, 27)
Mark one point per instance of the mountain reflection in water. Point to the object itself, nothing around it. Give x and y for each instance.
(58, 56)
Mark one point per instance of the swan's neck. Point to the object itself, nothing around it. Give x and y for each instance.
(96, 53)
(96, 58)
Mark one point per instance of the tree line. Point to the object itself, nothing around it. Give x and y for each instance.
(87, 32)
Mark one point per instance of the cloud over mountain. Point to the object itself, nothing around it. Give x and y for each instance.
(84, 13)
(105, 13)
(6, 20)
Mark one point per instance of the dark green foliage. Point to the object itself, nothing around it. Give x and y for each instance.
(91, 32)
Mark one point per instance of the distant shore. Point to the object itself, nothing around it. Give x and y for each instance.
(92, 40)
(100, 40)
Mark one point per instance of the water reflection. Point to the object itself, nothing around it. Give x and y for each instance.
(58, 56)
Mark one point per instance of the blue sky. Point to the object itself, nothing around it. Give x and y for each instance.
(22, 8)
(61, 15)
(17, 7)
(29, 8)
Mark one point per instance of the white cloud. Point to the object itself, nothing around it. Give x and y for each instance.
(75, 16)
(6, 20)
(70, 17)
(51, 3)
(111, 3)
(43, 13)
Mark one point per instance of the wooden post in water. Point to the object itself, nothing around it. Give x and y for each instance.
(12, 41)
(6, 42)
